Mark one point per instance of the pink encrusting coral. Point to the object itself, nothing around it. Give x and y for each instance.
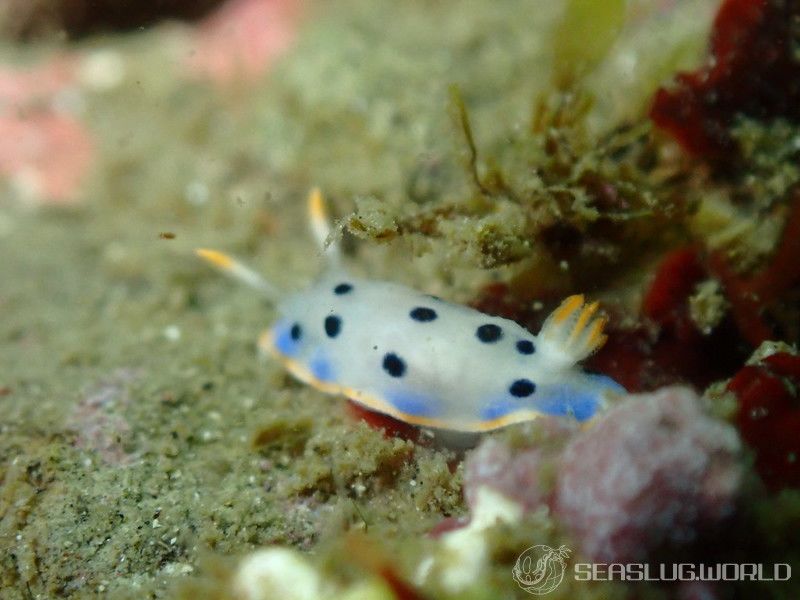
(653, 472)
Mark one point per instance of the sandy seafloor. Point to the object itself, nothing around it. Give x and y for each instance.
(143, 443)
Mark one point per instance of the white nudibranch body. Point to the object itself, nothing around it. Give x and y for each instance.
(426, 361)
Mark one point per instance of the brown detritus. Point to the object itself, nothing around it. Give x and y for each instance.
(436, 485)
(27, 474)
(553, 187)
(492, 184)
(290, 434)
(770, 162)
(760, 302)
(329, 465)
(427, 179)
(166, 235)
(742, 216)
(708, 306)
(372, 220)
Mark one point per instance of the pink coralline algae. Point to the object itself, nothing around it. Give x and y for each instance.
(98, 421)
(45, 155)
(242, 38)
(653, 472)
(18, 87)
(45, 152)
(518, 474)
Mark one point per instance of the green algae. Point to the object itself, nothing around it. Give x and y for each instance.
(585, 34)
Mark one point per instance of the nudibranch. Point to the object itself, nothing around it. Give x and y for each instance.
(424, 360)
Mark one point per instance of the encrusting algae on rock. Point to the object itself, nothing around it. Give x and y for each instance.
(563, 208)
(553, 192)
(146, 452)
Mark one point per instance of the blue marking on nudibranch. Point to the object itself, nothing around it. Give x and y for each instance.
(604, 383)
(583, 406)
(498, 408)
(569, 401)
(284, 342)
(412, 403)
(321, 368)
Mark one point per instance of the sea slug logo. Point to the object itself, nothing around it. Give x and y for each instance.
(540, 569)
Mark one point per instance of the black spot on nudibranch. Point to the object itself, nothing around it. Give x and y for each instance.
(333, 325)
(296, 332)
(489, 333)
(394, 365)
(525, 347)
(423, 314)
(522, 388)
(342, 288)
